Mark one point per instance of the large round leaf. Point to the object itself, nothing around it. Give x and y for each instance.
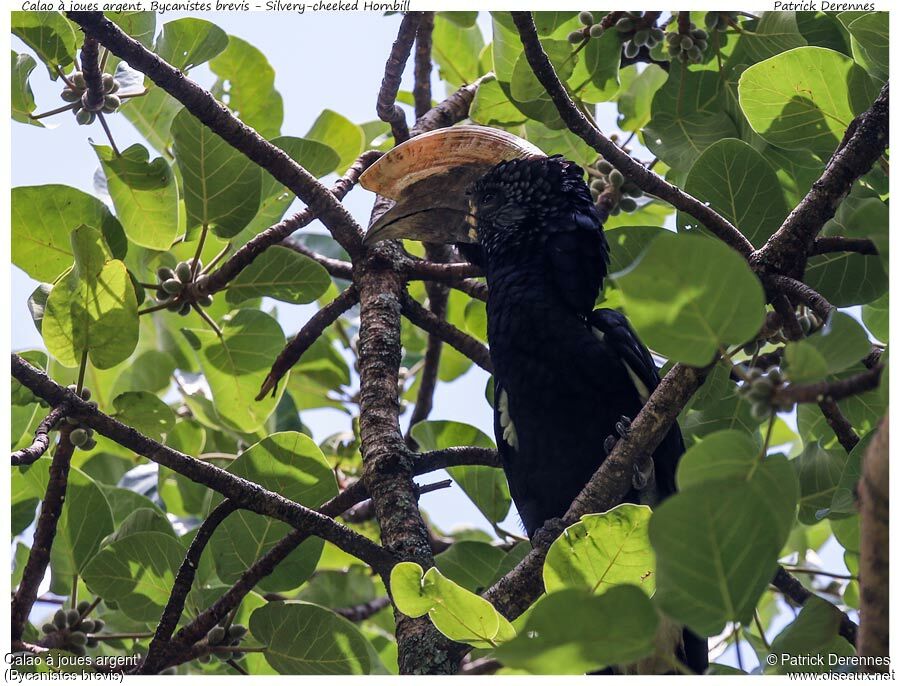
(302, 638)
(292, 465)
(689, 296)
(282, 274)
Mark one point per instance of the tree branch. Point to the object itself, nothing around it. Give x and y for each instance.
(386, 107)
(422, 75)
(339, 269)
(41, 441)
(223, 123)
(44, 533)
(797, 592)
(308, 335)
(646, 180)
(799, 291)
(448, 112)
(841, 426)
(864, 142)
(463, 342)
(827, 244)
(836, 390)
(874, 558)
(361, 612)
(245, 494)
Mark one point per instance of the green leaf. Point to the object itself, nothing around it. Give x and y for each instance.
(341, 135)
(307, 639)
(491, 107)
(282, 274)
(689, 295)
(560, 142)
(818, 471)
(236, 365)
(602, 551)
(92, 309)
(864, 410)
(736, 181)
(727, 454)
(687, 116)
(636, 93)
(145, 412)
(804, 99)
(21, 95)
(840, 344)
(843, 500)
(85, 520)
(292, 465)
(813, 633)
(150, 371)
(137, 573)
(474, 565)
(43, 217)
(139, 25)
(221, 185)
(776, 32)
(869, 41)
(50, 36)
(628, 243)
(875, 316)
(144, 193)
(339, 588)
(846, 279)
(455, 49)
(457, 613)
(739, 515)
(525, 86)
(595, 77)
(186, 43)
(572, 632)
(246, 83)
(485, 486)
(152, 115)
(141, 520)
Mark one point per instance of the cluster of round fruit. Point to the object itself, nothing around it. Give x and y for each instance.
(230, 637)
(809, 324)
(590, 30)
(172, 283)
(759, 390)
(76, 91)
(636, 33)
(689, 46)
(76, 631)
(720, 21)
(82, 436)
(610, 181)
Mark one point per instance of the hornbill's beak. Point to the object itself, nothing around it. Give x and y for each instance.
(427, 177)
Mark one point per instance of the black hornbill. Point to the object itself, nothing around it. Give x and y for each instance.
(567, 377)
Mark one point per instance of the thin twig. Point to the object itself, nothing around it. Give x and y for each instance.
(386, 107)
(836, 390)
(463, 342)
(361, 612)
(841, 426)
(798, 593)
(827, 244)
(41, 441)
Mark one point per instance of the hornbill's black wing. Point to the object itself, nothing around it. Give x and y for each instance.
(616, 332)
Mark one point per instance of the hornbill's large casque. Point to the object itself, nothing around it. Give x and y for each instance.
(567, 377)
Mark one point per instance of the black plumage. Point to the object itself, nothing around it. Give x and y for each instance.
(564, 373)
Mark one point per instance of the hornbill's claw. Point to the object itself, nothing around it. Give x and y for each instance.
(643, 472)
(623, 426)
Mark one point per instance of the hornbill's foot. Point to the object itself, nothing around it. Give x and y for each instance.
(623, 426)
(643, 471)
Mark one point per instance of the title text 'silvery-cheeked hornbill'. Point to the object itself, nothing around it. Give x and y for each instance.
(567, 377)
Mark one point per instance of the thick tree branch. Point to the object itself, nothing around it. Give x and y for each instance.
(875, 546)
(245, 494)
(223, 123)
(463, 342)
(836, 390)
(646, 180)
(798, 593)
(41, 441)
(44, 533)
(448, 112)
(841, 426)
(440, 271)
(864, 142)
(308, 335)
(387, 108)
(799, 291)
(422, 65)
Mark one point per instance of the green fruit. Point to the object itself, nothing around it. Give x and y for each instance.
(216, 635)
(631, 49)
(627, 205)
(111, 103)
(84, 117)
(85, 393)
(237, 631)
(77, 650)
(78, 437)
(90, 444)
(205, 301)
(711, 19)
(98, 625)
(77, 638)
(694, 54)
(185, 309)
(77, 79)
(674, 51)
(92, 642)
(173, 286)
(204, 659)
(640, 37)
(699, 34)
(576, 36)
(598, 185)
(73, 616)
(616, 178)
(657, 34)
(596, 31)
(751, 348)
(83, 606)
(48, 628)
(673, 37)
(69, 95)
(776, 375)
(71, 421)
(109, 82)
(59, 619)
(604, 167)
(174, 306)
(586, 18)
(183, 272)
(760, 411)
(92, 404)
(164, 274)
(625, 25)
(87, 626)
(686, 43)
(199, 265)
